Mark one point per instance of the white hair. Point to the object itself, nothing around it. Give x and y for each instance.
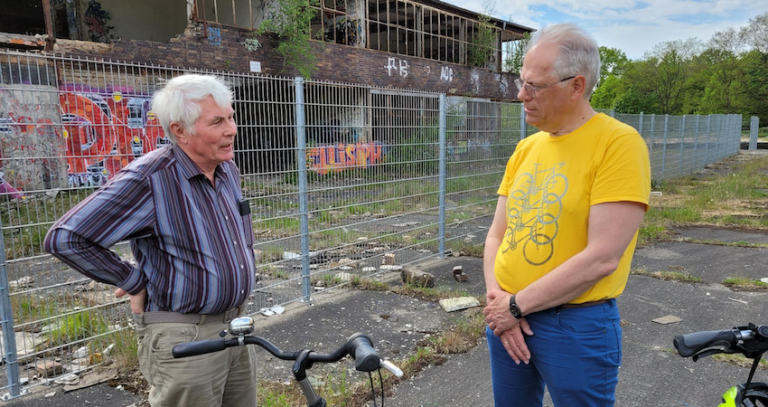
(178, 101)
(578, 52)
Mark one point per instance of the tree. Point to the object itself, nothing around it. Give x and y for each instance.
(634, 101)
(515, 53)
(754, 83)
(612, 62)
(482, 42)
(756, 33)
(608, 92)
(669, 68)
(291, 22)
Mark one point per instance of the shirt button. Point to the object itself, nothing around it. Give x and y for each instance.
(242, 267)
(226, 217)
(235, 242)
(242, 291)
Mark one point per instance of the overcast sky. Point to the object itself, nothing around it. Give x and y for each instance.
(631, 26)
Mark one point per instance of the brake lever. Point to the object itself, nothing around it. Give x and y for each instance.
(707, 353)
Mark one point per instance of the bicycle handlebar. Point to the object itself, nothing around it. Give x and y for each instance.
(748, 340)
(359, 346)
(690, 344)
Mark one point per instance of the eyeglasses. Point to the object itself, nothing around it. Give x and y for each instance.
(531, 90)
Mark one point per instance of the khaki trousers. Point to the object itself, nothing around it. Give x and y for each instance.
(219, 379)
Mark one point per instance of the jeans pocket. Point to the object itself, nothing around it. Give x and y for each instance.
(582, 321)
(617, 332)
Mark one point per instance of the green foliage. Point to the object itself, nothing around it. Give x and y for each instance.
(126, 348)
(483, 42)
(635, 101)
(613, 61)
(415, 152)
(291, 22)
(728, 74)
(77, 326)
(607, 93)
(516, 54)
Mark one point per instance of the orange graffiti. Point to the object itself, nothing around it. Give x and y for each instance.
(105, 133)
(340, 157)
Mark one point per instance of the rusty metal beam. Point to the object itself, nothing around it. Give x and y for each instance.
(50, 38)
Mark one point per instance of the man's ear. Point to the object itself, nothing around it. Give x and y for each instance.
(179, 133)
(579, 87)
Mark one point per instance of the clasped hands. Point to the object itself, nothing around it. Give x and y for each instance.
(508, 328)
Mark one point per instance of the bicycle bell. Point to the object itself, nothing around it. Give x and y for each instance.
(241, 326)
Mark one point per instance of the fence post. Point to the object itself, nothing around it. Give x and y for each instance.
(442, 165)
(709, 136)
(652, 132)
(612, 113)
(6, 322)
(736, 128)
(754, 125)
(522, 122)
(301, 160)
(664, 146)
(682, 144)
(696, 145)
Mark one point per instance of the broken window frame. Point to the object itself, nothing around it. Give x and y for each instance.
(402, 27)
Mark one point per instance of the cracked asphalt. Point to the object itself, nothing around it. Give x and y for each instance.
(651, 373)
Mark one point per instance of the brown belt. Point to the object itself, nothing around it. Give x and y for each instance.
(165, 317)
(583, 304)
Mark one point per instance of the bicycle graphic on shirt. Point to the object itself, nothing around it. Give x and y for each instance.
(533, 209)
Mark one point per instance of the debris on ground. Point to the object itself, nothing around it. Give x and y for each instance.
(459, 275)
(459, 303)
(669, 319)
(417, 277)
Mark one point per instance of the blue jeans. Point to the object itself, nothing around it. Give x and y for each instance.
(575, 352)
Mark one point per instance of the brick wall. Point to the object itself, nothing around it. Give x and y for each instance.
(223, 49)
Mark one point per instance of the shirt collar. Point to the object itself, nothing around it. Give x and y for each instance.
(188, 167)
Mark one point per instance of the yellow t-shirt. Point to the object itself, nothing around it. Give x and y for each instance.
(550, 184)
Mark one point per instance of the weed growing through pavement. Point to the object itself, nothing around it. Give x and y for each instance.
(745, 284)
(732, 198)
(668, 275)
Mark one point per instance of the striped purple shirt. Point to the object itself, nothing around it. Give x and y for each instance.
(192, 245)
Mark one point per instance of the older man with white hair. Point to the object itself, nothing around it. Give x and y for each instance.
(191, 234)
(559, 250)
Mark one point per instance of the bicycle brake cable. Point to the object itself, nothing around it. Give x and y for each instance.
(373, 389)
(381, 383)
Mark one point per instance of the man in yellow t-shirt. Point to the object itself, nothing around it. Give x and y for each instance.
(559, 250)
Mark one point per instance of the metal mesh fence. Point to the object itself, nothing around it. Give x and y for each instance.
(344, 182)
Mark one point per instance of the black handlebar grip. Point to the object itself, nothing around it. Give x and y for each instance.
(183, 350)
(366, 358)
(690, 344)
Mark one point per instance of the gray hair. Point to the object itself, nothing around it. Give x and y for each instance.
(178, 101)
(579, 54)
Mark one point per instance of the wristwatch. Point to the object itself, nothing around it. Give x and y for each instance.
(514, 309)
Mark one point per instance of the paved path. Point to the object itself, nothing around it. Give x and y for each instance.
(651, 374)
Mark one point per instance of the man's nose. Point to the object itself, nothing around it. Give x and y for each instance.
(232, 128)
(523, 95)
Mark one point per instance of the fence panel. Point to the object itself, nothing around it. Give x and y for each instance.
(481, 136)
(344, 182)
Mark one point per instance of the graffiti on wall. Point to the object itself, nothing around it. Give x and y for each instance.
(446, 74)
(339, 157)
(104, 131)
(398, 66)
(96, 20)
(29, 141)
(214, 35)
